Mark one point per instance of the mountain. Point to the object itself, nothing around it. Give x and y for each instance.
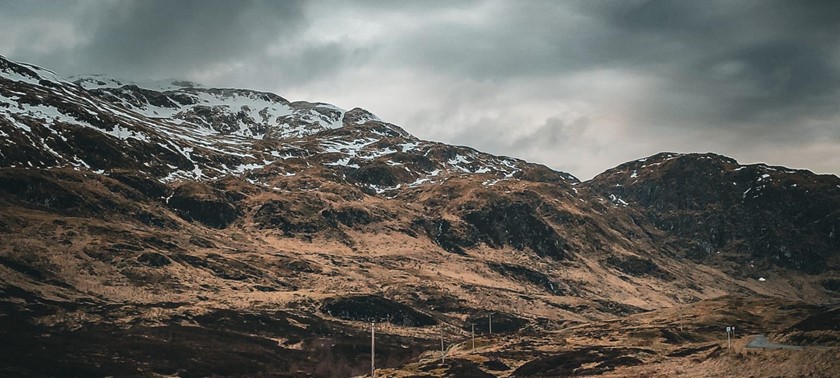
(169, 228)
(748, 215)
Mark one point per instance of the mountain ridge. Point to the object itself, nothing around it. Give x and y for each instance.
(126, 212)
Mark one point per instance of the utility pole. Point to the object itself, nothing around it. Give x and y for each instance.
(490, 322)
(442, 350)
(472, 333)
(372, 350)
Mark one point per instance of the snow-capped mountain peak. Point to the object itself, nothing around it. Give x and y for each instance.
(28, 73)
(99, 81)
(186, 131)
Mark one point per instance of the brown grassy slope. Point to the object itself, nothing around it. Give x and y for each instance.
(82, 251)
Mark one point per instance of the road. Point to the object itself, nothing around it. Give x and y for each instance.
(760, 341)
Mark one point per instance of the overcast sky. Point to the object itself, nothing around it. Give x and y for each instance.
(580, 86)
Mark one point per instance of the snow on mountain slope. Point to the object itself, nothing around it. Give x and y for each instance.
(179, 130)
(28, 73)
(99, 81)
(228, 111)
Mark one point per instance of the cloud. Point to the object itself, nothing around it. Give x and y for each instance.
(157, 37)
(577, 85)
(35, 29)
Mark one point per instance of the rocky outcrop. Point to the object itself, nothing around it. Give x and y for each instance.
(531, 276)
(153, 259)
(349, 216)
(638, 267)
(144, 184)
(515, 224)
(499, 321)
(379, 174)
(372, 308)
(203, 204)
(34, 189)
(451, 237)
(301, 215)
(584, 361)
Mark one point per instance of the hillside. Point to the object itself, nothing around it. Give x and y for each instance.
(170, 228)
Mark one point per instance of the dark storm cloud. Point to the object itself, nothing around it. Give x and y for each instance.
(239, 43)
(554, 132)
(30, 9)
(745, 58)
(763, 60)
(573, 84)
(155, 36)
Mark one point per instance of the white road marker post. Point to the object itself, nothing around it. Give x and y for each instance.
(372, 350)
(728, 340)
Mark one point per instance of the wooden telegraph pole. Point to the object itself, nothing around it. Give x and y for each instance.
(490, 323)
(442, 350)
(472, 333)
(372, 350)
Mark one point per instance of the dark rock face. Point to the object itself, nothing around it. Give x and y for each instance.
(201, 242)
(303, 215)
(372, 308)
(531, 276)
(501, 223)
(502, 322)
(571, 363)
(195, 202)
(414, 162)
(831, 285)
(153, 259)
(41, 191)
(221, 267)
(496, 365)
(161, 244)
(638, 267)
(146, 185)
(21, 267)
(459, 368)
(821, 328)
(827, 320)
(541, 173)
(710, 203)
(379, 173)
(72, 193)
(446, 235)
(137, 96)
(301, 266)
(349, 216)
(618, 309)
